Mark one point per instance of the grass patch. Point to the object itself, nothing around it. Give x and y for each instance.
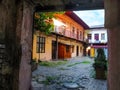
(52, 63)
(73, 64)
(49, 80)
(86, 62)
(63, 68)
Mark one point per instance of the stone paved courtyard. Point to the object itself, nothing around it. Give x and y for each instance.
(76, 74)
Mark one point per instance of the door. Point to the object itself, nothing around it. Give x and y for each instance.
(77, 51)
(53, 49)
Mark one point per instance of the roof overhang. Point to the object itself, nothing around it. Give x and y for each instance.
(77, 19)
(61, 5)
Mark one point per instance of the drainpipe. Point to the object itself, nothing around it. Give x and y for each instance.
(56, 47)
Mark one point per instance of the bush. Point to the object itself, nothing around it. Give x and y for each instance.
(100, 60)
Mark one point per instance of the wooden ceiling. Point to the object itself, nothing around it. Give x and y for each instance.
(61, 5)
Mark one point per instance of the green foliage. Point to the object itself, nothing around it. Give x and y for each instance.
(43, 21)
(52, 63)
(84, 62)
(49, 80)
(73, 64)
(100, 60)
(62, 68)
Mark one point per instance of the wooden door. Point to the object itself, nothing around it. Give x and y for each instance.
(77, 51)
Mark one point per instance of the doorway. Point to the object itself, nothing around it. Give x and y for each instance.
(77, 51)
(53, 50)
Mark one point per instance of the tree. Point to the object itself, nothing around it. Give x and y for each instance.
(43, 21)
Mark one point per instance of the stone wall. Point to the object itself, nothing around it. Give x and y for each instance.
(7, 29)
(16, 18)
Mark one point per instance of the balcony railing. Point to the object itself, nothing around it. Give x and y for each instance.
(70, 34)
(95, 41)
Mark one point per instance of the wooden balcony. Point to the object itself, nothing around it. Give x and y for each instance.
(68, 33)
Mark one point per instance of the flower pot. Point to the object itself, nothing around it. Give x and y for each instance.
(100, 73)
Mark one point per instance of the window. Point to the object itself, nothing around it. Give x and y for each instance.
(63, 29)
(40, 44)
(102, 36)
(80, 34)
(73, 31)
(89, 36)
(56, 28)
(96, 37)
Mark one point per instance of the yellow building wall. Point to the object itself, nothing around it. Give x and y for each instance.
(48, 48)
(92, 52)
(75, 49)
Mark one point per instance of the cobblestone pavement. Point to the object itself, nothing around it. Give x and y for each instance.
(74, 75)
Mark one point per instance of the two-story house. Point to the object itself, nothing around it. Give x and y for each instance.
(96, 37)
(65, 41)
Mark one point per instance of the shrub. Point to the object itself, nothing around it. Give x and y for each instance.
(100, 60)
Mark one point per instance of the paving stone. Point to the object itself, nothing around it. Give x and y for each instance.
(40, 79)
(79, 74)
(70, 85)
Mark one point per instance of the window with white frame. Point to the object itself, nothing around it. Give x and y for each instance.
(102, 36)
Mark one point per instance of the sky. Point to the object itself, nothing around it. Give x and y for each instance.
(91, 17)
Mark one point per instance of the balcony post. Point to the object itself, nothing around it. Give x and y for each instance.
(57, 47)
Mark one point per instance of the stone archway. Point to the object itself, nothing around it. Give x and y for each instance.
(16, 34)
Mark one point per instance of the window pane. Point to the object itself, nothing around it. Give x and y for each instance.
(96, 37)
(103, 36)
(80, 34)
(40, 48)
(89, 36)
(37, 38)
(37, 48)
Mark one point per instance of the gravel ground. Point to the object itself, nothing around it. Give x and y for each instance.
(74, 75)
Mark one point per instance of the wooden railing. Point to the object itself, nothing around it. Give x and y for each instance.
(70, 34)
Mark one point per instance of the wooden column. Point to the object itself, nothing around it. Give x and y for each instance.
(112, 23)
(57, 47)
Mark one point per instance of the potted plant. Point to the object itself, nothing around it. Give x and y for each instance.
(34, 64)
(100, 64)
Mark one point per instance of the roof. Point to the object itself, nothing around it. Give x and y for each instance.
(97, 27)
(72, 15)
